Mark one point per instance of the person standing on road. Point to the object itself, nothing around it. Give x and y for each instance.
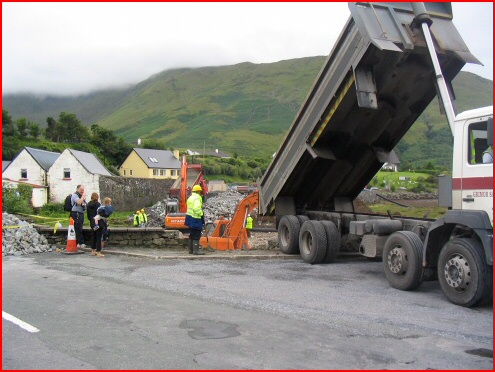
(195, 219)
(93, 205)
(77, 213)
(249, 225)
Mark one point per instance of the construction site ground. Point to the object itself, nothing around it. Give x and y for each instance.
(257, 240)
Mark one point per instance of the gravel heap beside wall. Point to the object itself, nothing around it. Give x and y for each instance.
(21, 240)
(222, 204)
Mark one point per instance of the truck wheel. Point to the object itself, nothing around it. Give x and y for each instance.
(313, 242)
(302, 218)
(288, 234)
(402, 256)
(333, 241)
(465, 277)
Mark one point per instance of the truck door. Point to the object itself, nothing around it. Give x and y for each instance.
(476, 181)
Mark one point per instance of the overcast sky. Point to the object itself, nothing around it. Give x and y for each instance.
(72, 48)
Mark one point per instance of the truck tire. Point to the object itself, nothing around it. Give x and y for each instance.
(302, 218)
(313, 242)
(288, 234)
(465, 277)
(402, 260)
(333, 241)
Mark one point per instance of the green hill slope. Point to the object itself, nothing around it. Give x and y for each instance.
(245, 108)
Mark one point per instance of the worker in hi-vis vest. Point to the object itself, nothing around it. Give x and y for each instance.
(136, 219)
(249, 225)
(195, 219)
(144, 218)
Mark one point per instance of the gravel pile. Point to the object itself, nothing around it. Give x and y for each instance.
(156, 214)
(21, 240)
(223, 203)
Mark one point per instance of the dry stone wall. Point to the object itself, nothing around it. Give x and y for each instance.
(131, 194)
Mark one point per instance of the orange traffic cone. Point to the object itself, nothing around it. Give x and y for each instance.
(71, 238)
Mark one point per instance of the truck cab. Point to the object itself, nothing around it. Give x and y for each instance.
(472, 179)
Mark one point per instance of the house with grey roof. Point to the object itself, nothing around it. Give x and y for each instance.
(30, 166)
(151, 163)
(74, 168)
(5, 164)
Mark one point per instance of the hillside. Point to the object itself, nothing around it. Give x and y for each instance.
(245, 108)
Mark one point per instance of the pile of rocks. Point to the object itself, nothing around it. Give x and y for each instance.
(222, 204)
(19, 237)
(156, 214)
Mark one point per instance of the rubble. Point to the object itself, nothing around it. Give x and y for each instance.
(20, 237)
(222, 204)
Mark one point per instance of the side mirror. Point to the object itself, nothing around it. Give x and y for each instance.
(489, 132)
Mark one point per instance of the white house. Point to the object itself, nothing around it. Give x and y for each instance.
(30, 167)
(74, 168)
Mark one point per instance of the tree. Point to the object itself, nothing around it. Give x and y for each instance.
(34, 130)
(51, 130)
(154, 144)
(22, 127)
(8, 128)
(71, 128)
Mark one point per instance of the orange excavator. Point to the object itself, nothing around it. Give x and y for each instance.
(230, 235)
(190, 175)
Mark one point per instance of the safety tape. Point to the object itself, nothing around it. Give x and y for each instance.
(41, 217)
(13, 227)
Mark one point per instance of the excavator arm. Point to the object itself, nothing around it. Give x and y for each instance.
(230, 235)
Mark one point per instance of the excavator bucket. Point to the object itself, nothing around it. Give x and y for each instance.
(219, 244)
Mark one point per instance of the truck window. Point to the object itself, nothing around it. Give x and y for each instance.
(477, 142)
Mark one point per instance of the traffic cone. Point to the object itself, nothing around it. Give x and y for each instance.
(71, 238)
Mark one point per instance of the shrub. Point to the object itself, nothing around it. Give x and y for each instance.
(17, 200)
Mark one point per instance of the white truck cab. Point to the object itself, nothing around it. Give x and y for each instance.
(472, 180)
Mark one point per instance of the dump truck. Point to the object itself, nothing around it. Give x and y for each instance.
(388, 64)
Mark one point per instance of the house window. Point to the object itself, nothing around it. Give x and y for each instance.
(66, 172)
(124, 172)
(155, 172)
(24, 173)
(173, 172)
(153, 160)
(163, 172)
(130, 172)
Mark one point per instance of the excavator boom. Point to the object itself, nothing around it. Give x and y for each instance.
(230, 235)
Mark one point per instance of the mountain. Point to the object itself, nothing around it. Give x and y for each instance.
(245, 108)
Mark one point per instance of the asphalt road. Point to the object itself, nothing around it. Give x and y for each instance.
(133, 313)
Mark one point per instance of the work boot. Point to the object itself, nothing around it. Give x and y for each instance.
(197, 248)
(190, 246)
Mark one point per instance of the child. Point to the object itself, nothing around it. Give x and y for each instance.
(103, 212)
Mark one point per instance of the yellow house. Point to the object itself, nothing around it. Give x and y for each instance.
(149, 163)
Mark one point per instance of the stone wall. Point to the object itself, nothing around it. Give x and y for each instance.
(150, 237)
(131, 194)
